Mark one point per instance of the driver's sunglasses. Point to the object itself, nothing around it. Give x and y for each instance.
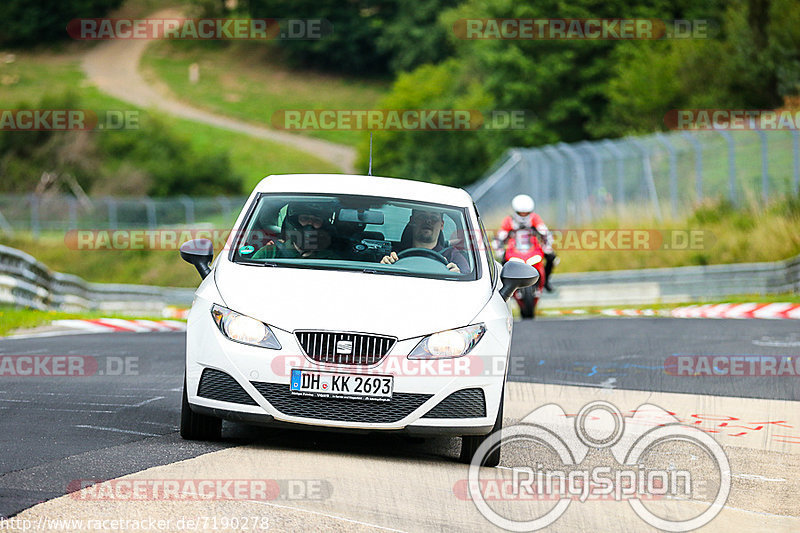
(310, 220)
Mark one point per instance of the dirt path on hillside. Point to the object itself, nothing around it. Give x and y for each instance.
(114, 67)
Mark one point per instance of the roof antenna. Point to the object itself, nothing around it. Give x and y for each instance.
(370, 155)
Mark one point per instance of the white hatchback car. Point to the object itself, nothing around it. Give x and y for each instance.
(352, 303)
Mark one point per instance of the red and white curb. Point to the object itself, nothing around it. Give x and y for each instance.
(728, 310)
(746, 310)
(108, 325)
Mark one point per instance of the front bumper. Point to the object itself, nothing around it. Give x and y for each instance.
(426, 397)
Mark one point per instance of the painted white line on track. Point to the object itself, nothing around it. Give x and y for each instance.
(146, 401)
(72, 394)
(51, 334)
(117, 430)
(335, 517)
(756, 477)
(34, 408)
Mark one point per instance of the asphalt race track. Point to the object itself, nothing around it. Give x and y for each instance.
(56, 430)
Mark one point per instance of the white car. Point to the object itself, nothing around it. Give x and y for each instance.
(351, 303)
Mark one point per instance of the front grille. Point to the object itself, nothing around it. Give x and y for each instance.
(321, 346)
(400, 406)
(217, 385)
(465, 403)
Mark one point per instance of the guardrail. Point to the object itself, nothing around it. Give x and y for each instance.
(24, 281)
(673, 285)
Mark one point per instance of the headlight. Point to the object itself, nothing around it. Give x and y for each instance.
(536, 259)
(450, 343)
(244, 329)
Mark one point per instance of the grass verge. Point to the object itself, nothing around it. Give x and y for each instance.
(243, 80)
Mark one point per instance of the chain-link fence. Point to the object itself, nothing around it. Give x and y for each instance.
(661, 175)
(41, 213)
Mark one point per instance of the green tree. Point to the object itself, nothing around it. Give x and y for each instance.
(349, 48)
(27, 22)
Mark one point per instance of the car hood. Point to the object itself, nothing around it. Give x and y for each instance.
(301, 298)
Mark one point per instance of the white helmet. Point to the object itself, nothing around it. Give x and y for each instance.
(522, 203)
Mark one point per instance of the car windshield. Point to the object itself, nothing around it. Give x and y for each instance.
(365, 233)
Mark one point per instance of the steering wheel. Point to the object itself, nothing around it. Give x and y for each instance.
(427, 253)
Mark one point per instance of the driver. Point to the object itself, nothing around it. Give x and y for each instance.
(308, 233)
(426, 226)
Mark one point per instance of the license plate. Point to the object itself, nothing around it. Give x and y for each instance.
(334, 385)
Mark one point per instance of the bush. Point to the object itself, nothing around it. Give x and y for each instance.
(152, 160)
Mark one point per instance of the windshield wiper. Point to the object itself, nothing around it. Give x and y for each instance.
(251, 263)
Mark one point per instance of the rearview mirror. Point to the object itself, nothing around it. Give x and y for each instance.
(200, 253)
(516, 275)
(363, 216)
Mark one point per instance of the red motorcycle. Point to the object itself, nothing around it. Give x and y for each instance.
(523, 245)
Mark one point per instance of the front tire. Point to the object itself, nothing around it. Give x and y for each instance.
(471, 443)
(195, 426)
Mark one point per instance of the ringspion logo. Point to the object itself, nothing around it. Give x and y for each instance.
(601, 425)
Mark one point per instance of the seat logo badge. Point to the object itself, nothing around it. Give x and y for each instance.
(344, 347)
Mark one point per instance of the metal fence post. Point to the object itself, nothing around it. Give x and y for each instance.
(226, 208)
(73, 213)
(731, 165)
(698, 164)
(188, 205)
(673, 173)
(581, 189)
(151, 213)
(619, 158)
(597, 156)
(111, 204)
(796, 159)
(536, 176)
(764, 167)
(558, 161)
(648, 176)
(35, 222)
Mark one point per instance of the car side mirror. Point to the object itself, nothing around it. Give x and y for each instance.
(516, 275)
(200, 253)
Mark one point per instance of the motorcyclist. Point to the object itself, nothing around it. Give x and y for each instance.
(524, 217)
